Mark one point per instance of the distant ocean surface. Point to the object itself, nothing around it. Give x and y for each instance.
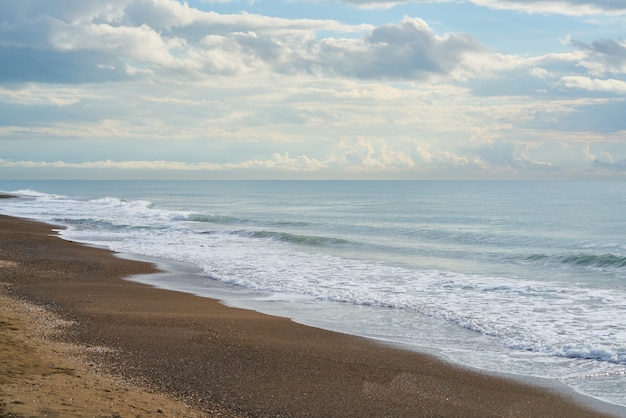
(517, 277)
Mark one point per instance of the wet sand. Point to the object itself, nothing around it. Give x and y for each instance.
(78, 340)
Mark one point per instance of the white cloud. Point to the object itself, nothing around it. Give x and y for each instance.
(283, 162)
(540, 72)
(409, 50)
(605, 161)
(35, 95)
(164, 38)
(69, 11)
(142, 44)
(591, 84)
(142, 37)
(157, 37)
(560, 7)
(564, 7)
(154, 165)
(603, 55)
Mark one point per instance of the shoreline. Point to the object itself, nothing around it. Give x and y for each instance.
(242, 362)
(222, 292)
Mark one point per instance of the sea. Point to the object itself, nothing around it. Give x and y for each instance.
(526, 279)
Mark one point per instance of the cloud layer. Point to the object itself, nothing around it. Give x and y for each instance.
(563, 7)
(160, 85)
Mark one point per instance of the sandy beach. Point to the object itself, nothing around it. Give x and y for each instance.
(76, 339)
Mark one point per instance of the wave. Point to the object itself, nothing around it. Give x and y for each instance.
(594, 353)
(290, 223)
(87, 223)
(102, 225)
(218, 219)
(602, 352)
(225, 219)
(33, 194)
(601, 261)
(311, 240)
(307, 240)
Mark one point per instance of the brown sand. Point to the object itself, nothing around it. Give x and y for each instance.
(104, 346)
(40, 377)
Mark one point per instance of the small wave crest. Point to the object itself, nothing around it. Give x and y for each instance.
(581, 260)
(225, 219)
(116, 202)
(290, 223)
(33, 194)
(594, 353)
(88, 223)
(308, 240)
(218, 219)
(608, 353)
(315, 241)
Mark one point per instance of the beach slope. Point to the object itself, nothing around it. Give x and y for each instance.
(182, 355)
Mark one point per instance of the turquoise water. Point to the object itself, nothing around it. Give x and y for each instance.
(517, 277)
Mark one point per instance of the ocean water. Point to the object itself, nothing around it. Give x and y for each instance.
(527, 278)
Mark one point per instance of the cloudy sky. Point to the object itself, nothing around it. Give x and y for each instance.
(374, 89)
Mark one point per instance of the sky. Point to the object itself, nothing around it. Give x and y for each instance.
(319, 89)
